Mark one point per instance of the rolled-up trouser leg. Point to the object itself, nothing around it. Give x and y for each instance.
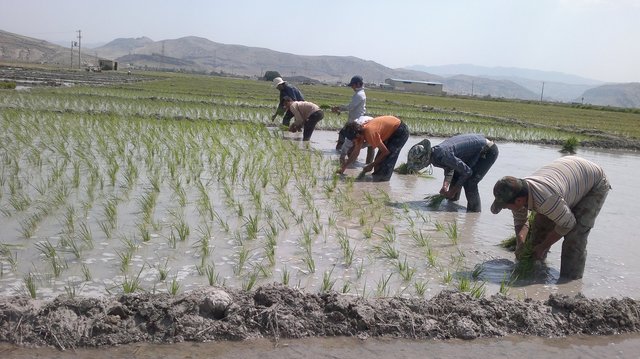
(574, 246)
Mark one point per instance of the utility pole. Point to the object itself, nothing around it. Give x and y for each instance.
(471, 88)
(542, 92)
(71, 63)
(79, 48)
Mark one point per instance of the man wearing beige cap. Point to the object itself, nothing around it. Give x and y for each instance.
(285, 90)
(567, 196)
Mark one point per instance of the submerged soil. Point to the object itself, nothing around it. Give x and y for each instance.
(277, 311)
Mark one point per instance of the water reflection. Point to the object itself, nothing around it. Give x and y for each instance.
(612, 268)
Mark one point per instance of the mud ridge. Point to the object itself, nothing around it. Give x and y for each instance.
(276, 311)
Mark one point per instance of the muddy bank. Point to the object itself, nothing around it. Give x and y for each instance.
(277, 312)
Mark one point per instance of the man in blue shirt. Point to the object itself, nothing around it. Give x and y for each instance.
(465, 159)
(285, 90)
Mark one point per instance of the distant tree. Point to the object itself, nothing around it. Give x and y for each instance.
(270, 75)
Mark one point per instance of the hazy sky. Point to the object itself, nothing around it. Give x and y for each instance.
(598, 39)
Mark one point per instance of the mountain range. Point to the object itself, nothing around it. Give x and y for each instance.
(196, 54)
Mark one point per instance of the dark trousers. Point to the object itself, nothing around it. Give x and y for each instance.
(480, 169)
(394, 145)
(310, 124)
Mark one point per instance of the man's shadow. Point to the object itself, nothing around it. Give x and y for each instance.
(504, 271)
(426, 205)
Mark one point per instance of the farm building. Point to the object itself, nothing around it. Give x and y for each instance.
(416, 86)
(107, 65)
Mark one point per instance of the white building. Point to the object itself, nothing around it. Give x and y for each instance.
(434, 88)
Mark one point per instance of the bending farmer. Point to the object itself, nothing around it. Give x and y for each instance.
(386, 133)
(466, 159)
(306, 114)
(567, 196)
(285, 90)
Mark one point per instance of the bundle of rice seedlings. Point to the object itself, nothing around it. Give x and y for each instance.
(434, 200)
(403, 169)
(509, 243)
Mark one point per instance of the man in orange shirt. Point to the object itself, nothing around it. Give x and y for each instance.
(386, 133)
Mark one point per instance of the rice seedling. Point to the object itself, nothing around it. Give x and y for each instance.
(174, 287)
(452, 232)
(125, 259)
(251, 226)
(213, 278)
(85, 235)
(182, 229)
(405, 270)
(243, 257)
(71, 246)
(477, 271)
(327, 281)
(107, 229)
(387, 250)
(420, 238)
(203, 244)
(420, 287)
(71, 290)
(367, 232)
(131, 285)
(434, 201)
(50, 253)
(286, 276)
(6, 255)
(478, 290)
(346, 287)
(31, 286)
(505, 284)
(390, 234)
(251, 280)
(360, 270)
(447, 277)
(86, 273)
(310, 263)
(570, 144)
(382, 286)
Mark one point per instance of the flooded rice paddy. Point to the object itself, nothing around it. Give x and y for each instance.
(385, 241)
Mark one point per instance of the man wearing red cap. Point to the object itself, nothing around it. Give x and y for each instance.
(567, 196)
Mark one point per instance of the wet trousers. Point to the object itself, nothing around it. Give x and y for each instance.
(394, 144)
(574, 245)
(487, 159)
(310, 124)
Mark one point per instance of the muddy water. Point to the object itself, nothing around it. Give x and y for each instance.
(623, 346)
(612, 267)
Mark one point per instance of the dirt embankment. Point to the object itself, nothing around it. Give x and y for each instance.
(277, 311)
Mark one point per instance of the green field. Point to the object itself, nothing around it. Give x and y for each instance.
(163, 185)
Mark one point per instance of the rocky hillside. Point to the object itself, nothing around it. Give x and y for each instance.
(17, 48)
(618, 95)
(202, 55)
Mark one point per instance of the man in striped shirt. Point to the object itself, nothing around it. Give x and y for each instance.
(567, 196)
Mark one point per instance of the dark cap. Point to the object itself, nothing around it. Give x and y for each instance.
(356, 80)
(351, 130)
(506, 190)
